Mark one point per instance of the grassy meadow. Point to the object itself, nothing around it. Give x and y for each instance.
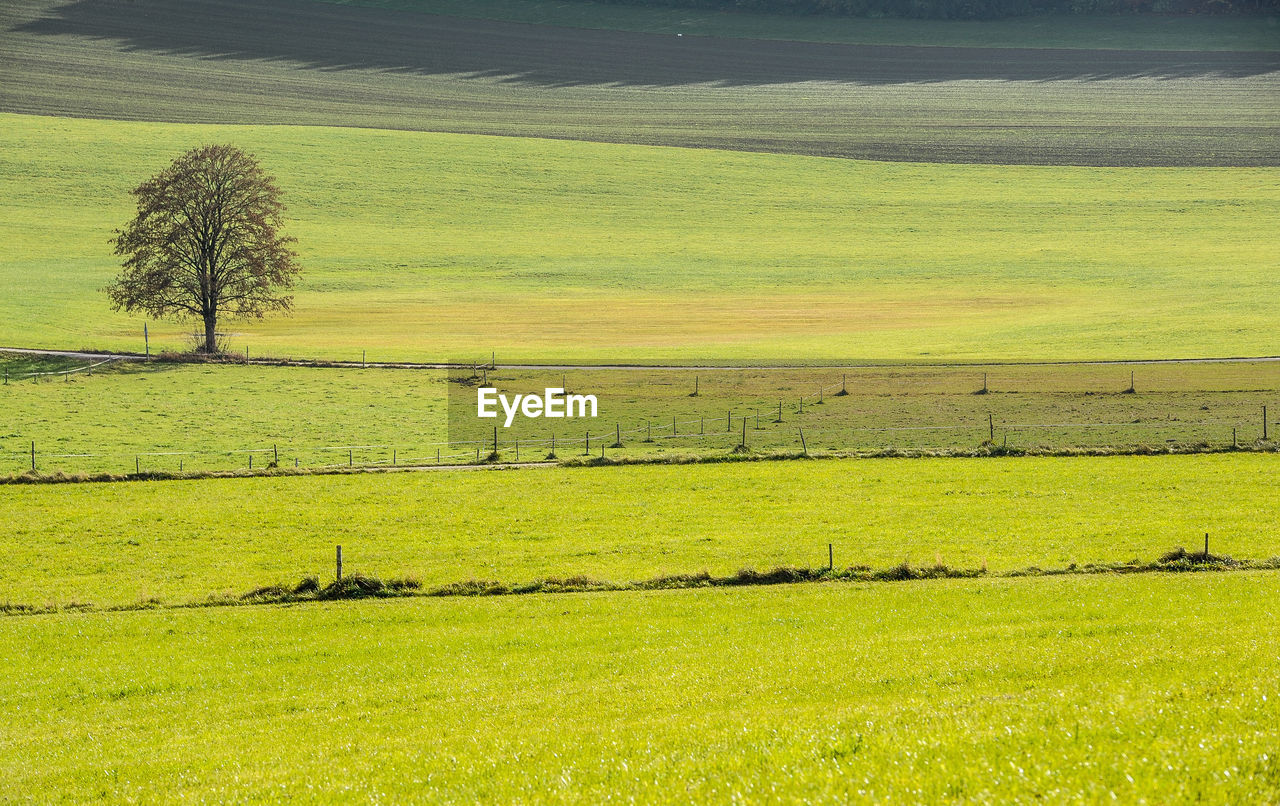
(1158, 687)
(436, 246)
(570, 183)
(181, 541)
(167, 417)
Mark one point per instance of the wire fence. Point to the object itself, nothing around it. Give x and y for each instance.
(780, 428)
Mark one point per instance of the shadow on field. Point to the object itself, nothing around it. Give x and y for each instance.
(333, 37)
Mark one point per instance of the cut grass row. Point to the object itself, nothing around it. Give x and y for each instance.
(427, 246)
(1072, 690)
(180, 418)
(184, 541)
(241, 61)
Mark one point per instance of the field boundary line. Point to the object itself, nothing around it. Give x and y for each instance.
(309, 589)
(834, 364)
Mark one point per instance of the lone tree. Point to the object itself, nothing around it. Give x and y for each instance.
(206, 241)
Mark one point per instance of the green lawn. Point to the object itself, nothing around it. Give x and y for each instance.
(1066, 689)
(182, 541)
(436, 246)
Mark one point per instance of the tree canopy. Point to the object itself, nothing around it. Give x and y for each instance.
(206, 242)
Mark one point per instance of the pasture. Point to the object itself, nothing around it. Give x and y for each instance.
(434, 246)
(1073, 689)
(165, 417)
(570, 183)
(183, 541)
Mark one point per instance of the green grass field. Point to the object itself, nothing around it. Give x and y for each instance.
(182, 541)
(1158, 688)
(434, 246)
(184, 417)
(592, 189)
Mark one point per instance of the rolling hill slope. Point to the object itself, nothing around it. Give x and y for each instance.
(295, 62)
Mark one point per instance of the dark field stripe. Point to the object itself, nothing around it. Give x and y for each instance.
(237, 61)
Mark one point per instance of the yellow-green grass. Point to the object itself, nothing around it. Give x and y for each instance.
(1057, 407)
(1066, 690)
(435, 246)
(208, 417)
(244, 61)
(1125, 32)
(188, 417)
(180, 541)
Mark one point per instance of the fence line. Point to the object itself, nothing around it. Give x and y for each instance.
(653, 432)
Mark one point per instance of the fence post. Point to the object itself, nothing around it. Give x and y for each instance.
(803, 447)
(275, 454)
(588, 448)
(1206, 546)
(137, 466)
(33, 456)
(495, 442)
(339, 564)
(517, 449)
(351, 460)
(1264, 423)
(991, 429)
(393, 457)
(729, 423)
(251, 461)
(831, 558)
(744, 432)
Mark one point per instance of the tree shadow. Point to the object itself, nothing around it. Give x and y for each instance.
(323, 36)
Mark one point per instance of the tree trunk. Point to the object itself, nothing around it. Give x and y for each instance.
(210, 335)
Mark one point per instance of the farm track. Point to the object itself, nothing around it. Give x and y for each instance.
(236, 61)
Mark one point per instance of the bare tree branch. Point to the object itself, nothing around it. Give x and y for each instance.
(206, 242)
